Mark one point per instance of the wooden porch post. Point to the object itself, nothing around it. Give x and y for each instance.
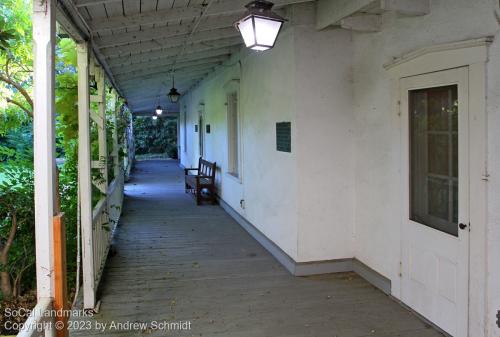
(44, 37)
(116, 146)
(85, 178)
(103, 144)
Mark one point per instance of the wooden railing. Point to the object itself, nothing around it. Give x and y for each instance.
(104, 220)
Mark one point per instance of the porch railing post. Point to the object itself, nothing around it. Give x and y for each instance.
(103, 145)
(85, 176)
(44, 37)
(116, 146)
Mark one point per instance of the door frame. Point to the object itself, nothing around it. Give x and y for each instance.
(474, 55)
(201, 130)
(448, 242)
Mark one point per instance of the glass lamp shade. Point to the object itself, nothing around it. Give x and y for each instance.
(260, 26)
(174, 95)
(159, 110)
(155, 117)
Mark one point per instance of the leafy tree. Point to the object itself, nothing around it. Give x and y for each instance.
(16, 63)
(155, 136)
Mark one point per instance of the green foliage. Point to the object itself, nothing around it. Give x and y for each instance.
(16, 209)
(155, 136)
(16, 63)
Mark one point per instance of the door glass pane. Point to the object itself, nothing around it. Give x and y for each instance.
(434, 157)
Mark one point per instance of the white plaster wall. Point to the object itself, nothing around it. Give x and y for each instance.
(333, 88)
(493, 225)
(378, 176)
(269, 178)
(325, 143)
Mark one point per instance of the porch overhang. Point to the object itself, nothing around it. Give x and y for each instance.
(142, 46)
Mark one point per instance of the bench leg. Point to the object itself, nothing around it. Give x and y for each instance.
(198, 196)
(212, 196)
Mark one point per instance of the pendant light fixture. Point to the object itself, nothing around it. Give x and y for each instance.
(155, 117)
(260, 26)
(159, 110)
(173, 95)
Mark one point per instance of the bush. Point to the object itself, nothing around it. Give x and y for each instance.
(155, 136)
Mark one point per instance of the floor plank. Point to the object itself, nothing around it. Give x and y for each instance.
(176, 261)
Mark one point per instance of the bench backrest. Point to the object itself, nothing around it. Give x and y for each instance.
(206, 168)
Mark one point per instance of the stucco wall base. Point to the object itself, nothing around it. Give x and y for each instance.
(311, 267)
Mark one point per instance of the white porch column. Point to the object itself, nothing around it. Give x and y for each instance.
(44, 37)
(116, 146)
(85, 177)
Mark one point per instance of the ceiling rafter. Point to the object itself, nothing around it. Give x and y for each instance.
(224, 7)
(168, 62)
(193, 51)
(148, 34)
(211, 36)
(167, 73)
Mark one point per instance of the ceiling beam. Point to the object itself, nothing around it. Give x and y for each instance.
(223, 7)
(148, 34)
(164, 72)
(211, 36)
(195, 52)
(83, 3)
(190, 54)
(160, 78)
(167, 63)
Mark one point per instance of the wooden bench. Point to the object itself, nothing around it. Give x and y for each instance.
(203, 180)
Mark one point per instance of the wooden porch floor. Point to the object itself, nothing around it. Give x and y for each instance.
(175, 261)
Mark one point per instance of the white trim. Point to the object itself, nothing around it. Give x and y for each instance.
(44, 38)
(440, 57)
(473, 54)
(85, 175)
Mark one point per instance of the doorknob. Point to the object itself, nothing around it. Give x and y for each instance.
(462, 226)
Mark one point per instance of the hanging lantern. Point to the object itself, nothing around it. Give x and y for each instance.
(173, 95)
(155, 117)
(260, 26)
(159, 110)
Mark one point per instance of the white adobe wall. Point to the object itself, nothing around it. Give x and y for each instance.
(378, 199)
(269, 178)
(493, 224)
(325, 143)
(288, 195)
(331, 85)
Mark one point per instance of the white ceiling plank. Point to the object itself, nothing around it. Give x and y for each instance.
(166, 63)
(225, 7)
(84, 3)
(163, 32)
(122, 79)
(166, 71)
(212, 37)
(224, 52)
(228, 46)
(136, 88)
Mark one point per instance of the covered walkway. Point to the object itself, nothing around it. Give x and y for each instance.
(173, 261)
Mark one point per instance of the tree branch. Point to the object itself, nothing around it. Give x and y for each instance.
(10, 240)
(21, 106)
(16, 85)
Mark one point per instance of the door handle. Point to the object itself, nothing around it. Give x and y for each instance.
(462, 226)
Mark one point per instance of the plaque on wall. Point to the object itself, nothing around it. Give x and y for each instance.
(284, 136)
(207, 127)
(196, 128)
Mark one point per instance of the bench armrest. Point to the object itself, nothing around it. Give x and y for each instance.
(186, 170)
(198, 177)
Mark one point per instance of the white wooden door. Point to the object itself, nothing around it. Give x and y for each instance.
(435, 226)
